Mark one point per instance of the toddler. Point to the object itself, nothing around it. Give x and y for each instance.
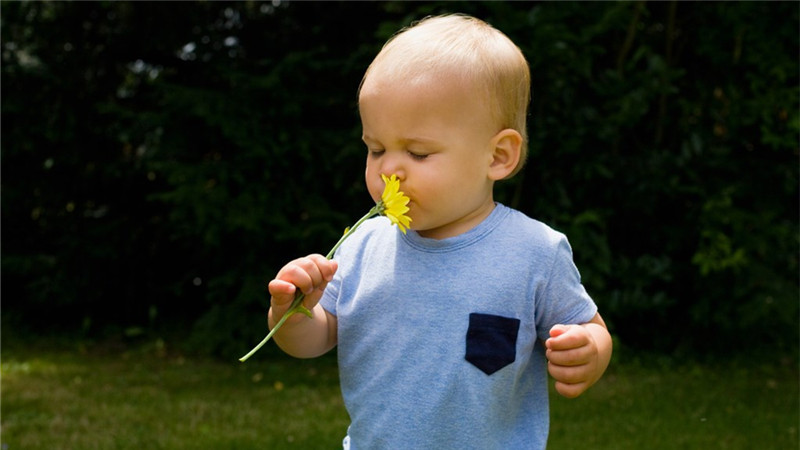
(446, 334)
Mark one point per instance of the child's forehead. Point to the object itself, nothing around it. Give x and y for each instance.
(423, 104)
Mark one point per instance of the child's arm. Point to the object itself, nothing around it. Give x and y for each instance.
(301, 336)
(578, 355)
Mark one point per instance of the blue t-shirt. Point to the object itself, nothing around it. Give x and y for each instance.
(440, 341)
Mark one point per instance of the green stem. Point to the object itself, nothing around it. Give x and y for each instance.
(296, 307)
(372, 212)
(297, 303)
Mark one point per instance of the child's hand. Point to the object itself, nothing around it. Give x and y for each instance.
(573, 359)
(309, 274)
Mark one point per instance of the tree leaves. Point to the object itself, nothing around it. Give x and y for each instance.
(147, 145)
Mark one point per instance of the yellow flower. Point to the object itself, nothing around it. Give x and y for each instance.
(394, 203)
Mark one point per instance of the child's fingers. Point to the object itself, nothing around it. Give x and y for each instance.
(282, 291)
(327, 268)
(565, 337)
(572, 359)
(558, 330)
(306, 273)
(571, 380)
(567, 374)
(569, 358)
(303, 273)
(571, 390)
(569, 346)
(309, 274)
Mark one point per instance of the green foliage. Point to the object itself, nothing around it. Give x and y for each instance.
(667, 152)
(163, 160)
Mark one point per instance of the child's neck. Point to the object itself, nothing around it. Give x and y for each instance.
(462, 225)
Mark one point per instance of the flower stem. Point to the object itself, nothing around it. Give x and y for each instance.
(372, 212)
(297, 303)
(296, 307)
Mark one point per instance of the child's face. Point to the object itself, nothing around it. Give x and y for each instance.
(436, 135)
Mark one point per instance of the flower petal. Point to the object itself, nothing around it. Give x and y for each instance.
(395, 203)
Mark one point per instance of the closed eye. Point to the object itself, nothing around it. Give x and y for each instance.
(376, 153)
(417, 156)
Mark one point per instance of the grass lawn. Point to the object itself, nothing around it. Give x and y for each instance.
(118, 399)
(692, 407)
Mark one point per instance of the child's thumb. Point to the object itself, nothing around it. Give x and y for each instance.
(282, 291)
(558, 330)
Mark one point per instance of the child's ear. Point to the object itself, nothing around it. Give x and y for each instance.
(506, 148)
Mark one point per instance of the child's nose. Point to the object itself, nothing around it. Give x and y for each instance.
(393, 165)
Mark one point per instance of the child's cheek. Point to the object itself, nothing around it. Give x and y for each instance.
(374, 190)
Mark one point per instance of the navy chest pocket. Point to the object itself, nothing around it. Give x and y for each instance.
(491, 341)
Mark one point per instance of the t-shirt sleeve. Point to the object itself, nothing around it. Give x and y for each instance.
(331, 293)
(344, 256)
(564, 300)
(349, 256)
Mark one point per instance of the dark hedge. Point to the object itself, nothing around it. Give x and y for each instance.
(162, 160)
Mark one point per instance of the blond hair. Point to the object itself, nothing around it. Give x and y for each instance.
(470, 49)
